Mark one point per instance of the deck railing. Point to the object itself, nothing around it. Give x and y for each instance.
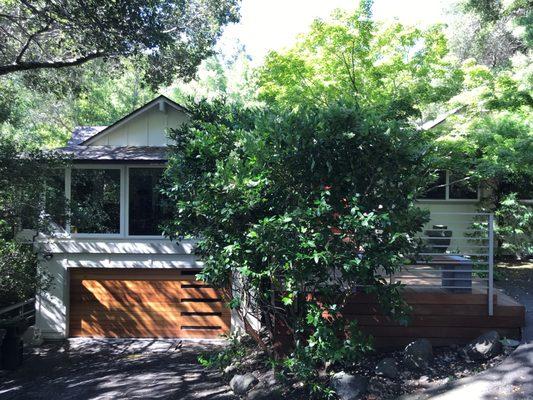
(23, 312)
(455, 255)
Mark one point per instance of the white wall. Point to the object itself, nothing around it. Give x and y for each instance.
(455, 222)
(149, 128)
(52, 305)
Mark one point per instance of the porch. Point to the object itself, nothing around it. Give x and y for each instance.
(450, 286)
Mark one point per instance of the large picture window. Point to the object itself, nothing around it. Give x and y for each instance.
(146, 205)
(95, 201)
(449, 186)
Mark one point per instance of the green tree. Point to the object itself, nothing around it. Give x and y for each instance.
(172, 36)
(491, 31)
(291, 203)
(395, 70)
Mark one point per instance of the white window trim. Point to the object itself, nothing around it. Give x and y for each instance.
(124, 202)
(447, 195)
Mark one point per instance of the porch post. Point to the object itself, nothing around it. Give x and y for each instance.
(491, 264)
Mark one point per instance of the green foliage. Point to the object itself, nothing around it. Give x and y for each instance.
(19, 276)
(296, 202)
(23, 173)
(393, 70)
(491, 31)
(235, 350)
(514, 228)
(171, 37)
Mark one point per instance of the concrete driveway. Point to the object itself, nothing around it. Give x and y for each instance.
(115, 369)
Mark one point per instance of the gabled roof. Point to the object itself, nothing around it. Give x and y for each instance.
(140, 110)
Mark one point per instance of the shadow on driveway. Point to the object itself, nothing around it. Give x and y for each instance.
(115, 369)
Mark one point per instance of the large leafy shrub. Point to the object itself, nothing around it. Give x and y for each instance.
(297, 208)
(23, 197)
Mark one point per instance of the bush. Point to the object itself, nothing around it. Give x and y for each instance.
(298, 208)
(514, 228)
(19, 275)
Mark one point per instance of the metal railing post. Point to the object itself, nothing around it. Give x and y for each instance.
(491, 264)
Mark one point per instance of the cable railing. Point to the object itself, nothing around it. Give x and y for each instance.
(455, 255)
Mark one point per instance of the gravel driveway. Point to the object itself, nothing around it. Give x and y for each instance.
(115, 369)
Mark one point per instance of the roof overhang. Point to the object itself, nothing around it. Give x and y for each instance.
(114, 154)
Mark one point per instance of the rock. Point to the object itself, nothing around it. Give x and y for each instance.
(349, 387)
(484, 347)
(264, 393)
(418, 354)
(241, 384)
(510, 342)
(269, 378)
(230, 369)
(387, 367)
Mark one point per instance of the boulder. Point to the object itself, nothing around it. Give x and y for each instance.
(349, 387)
(388, 367)
(241, 384)
(484, 347)
(418, 354)
(264, 393)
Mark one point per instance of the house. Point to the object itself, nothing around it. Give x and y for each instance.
(116, 275)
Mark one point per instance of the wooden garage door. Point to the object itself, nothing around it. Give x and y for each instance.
(118, 302)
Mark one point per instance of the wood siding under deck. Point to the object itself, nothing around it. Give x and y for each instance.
(144, 303)
(442, 317)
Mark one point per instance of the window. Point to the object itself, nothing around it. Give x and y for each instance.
(146, 205)
(460, 188)
(449, 186)
(55, 201)
(437, 190)
(95, 200)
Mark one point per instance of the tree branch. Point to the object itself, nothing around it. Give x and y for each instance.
(28, 42)
(31, 65)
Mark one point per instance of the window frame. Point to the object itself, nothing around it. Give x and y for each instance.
(124, 201)
(447, 198)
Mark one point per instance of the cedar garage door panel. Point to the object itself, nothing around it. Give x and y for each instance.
(117, 302)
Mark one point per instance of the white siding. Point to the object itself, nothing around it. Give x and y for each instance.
(146, 129)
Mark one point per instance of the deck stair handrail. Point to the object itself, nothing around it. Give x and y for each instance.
(20, 314)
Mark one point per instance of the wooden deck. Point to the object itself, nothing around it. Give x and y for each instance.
(439, 315)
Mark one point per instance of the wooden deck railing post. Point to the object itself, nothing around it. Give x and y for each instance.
(491, 265)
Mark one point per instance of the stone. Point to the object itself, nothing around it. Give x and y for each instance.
(241, 384)
(510, 342)
(230, 369)
(418, 354)
(264, 393)
(484, 347)
(269, 378)
(388, 367)
(349, 387)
